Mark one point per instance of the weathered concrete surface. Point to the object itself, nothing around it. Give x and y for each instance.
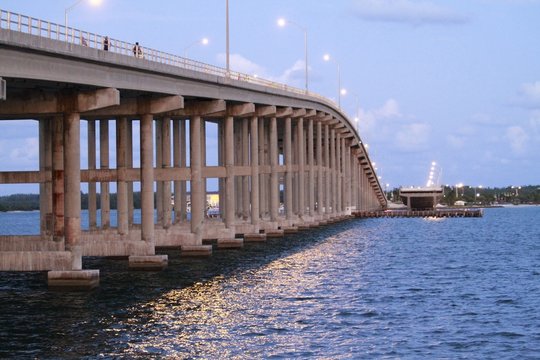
(254, 237)
(196, 250)
(230, 243)
(35, 260)
(73, 280)
(148, 263)
(28, 243)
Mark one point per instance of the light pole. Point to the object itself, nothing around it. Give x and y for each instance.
(203, 41)
(68, 9)
(282, 22)
(227, 38)
(341, 91)
(476, 195)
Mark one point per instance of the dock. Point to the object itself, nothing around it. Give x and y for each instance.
(438, 213)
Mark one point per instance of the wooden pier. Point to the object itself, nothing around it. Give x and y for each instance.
(438, 213)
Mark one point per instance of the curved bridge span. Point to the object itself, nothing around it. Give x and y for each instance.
(287, 160)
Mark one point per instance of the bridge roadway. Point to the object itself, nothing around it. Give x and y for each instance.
(279, 148)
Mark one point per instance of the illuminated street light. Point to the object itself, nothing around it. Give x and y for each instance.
(327, 57)
(204, 41)
(282, 23)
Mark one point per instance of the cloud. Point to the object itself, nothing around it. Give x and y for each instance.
(407, 11)
(529, 95)
(518, 138)
(369, 118)
(242, 64)
(413, 137)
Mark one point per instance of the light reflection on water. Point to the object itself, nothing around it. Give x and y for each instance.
(391, 288)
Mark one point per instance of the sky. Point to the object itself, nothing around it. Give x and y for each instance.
(455, 82)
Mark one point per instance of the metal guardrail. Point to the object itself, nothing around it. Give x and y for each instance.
(26, 24)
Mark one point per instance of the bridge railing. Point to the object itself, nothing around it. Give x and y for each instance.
(27, 24)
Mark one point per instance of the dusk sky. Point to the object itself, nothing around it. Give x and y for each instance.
(456, 82)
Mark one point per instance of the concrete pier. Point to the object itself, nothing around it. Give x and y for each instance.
(287, 161)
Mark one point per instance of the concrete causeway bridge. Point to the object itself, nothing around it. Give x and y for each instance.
(287, 159)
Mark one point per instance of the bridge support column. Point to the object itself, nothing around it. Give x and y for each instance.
(245, 179)
(288, 169)
(129, 165)
(333, 171)
(274, 175)
(45, 188)
(262, 162)
(230, 201)
(320, 172)
(92, 194)
(121, 185)
(104, 165)
(159, 165)
(311, 173)
(197, 196)
(72, 169)
(166, 164)
(339, 173)
(301, 174)
(254, 147)
(58, 178)
(147, 179)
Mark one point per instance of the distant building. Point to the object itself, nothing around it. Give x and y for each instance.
(421, 198)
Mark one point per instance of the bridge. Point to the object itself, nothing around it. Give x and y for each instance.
(287, 159)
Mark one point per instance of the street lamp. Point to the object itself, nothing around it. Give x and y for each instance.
(68, 9)
(281, 23)
(227, 38)
(341, 91)
(203, 41)
(476, 195)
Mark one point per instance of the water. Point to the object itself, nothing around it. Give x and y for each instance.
(372, 288)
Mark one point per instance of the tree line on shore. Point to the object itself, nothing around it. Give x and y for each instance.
(529, 194)
(30, 202)
(478, 195)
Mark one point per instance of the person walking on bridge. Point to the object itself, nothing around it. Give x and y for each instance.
(137, 51)
(106, 43)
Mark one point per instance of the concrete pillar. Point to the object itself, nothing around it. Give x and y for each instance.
(221, 162)
(147, 179)
(183, 164)
(339, 172)
(254, 139)
(45, 188)
(288, 169)
(166, 164)
(197, 188)
(274, 176)
(333, 171)
(262, 161)
(301, 166)
(239, 161)
(230, 202)
(320, 171)
(176, 165)
(72, 200)
(104, 165)
(121, 185)
(311, 174)
(58, 178)
(92, 195)
(327, 170)
(129, 165)
(245, 179)
(159, 164)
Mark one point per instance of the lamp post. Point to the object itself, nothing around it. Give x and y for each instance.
(282, 22)
(203, 41)
(341, 91)
(68, 9)
(476, 195)
(227, 38)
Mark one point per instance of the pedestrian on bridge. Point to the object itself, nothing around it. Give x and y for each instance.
(137, 51)
(106, 43)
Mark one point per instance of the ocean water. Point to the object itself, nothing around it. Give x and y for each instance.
(362, 289)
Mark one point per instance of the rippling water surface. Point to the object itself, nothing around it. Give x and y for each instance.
(371, 288)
